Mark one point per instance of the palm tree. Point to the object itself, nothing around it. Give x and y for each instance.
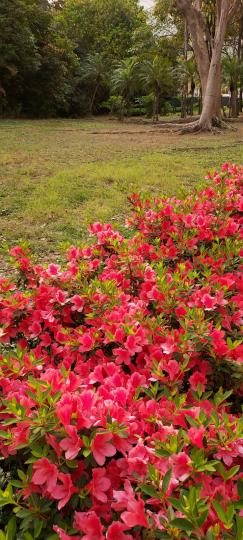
(232, 74)
(187, 72)
(94, 71)
(156, 76)
(124, 79)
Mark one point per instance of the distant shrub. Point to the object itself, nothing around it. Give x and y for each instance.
(116, 371)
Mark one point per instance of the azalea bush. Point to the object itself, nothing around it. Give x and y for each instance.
(121, 378)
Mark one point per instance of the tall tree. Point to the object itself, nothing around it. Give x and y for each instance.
(232, 73)
(94, 70)
(207, 44)
(156, 76)
(124, 79)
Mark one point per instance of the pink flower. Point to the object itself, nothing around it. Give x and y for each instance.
(168, 347)
(35, 329)
(71, 444)
(198, 379)
(196, 436)
(209, 302)
(102, 448)
(78, 303)
(53, 270)
(89, 524)
(132, 346)
(115, 532)
(181, 466)
(86, 342)
(64, 491)
(100, 484)
(172, 369)
(135, 514)
(45, 473)
(64, 536)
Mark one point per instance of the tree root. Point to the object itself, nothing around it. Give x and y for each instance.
(217, 125)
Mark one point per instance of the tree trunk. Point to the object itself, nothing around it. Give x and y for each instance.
(241, 100)
(233, 102)
(192, 97)
(240, 56)
(208, 68)
(185, 86)
(198, 32)
(184, 102)
(93, 98)
(211, 110)
(156, 107)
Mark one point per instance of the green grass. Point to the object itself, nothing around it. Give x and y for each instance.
(57, 176)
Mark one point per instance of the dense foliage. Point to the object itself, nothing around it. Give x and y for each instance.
(121, 378)
(61, 58)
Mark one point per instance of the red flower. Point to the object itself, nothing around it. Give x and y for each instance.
(115, 532)
(64, 536)
(135, 514)
(78, 303)
(71, 444)
(197, 379)
(102, 448)
(86, 342)
(100, 484)
(181, 466)
(64, 491)
(172, 369)
(196, 436)
(45, 473)
(89, 524)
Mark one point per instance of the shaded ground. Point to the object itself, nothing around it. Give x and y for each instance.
(57, 176)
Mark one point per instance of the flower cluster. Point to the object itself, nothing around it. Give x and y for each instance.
(116, 372)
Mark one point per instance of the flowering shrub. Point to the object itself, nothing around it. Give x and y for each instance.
(121, 379)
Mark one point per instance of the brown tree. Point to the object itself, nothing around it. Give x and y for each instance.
(207, 43)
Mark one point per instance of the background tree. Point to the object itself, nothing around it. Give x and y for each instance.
(124, 80)
(156, 76)
(94, 70)
(232, 73)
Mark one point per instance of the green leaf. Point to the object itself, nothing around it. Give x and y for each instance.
(16, 483)
(183, 524)
(11, 529)
(232, 472)
(166, 481)
(240, 487)
(176, 503)
(203, 517)
(21, 475)
(5, 434)
(220, 510)
(6, 497)
(239, 527)
(37, 528)
(28, 536)
(149, 490)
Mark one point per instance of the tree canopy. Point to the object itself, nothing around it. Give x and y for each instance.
(73, 57)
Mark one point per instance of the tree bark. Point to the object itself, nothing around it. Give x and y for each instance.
(93, 97)
(240, 56)
(192, 97)
(209, 68)
(198, 31)
(185, 85)
(233, 102)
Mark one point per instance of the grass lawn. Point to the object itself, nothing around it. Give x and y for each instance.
(57, 176)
